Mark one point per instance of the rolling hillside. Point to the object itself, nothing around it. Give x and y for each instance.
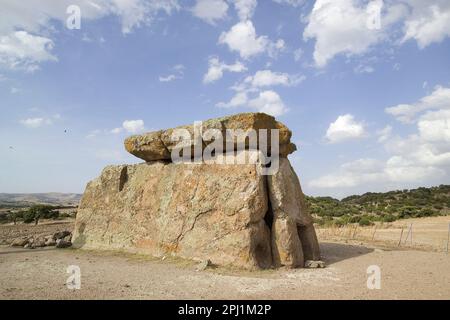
(387, 206)
(29, 199)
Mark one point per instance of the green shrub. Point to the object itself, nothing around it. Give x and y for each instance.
(365, 221)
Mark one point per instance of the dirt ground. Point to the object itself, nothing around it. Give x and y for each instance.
(41, 274)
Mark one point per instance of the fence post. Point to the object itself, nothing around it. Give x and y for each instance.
(354, 232)
(400, 241)
(373, 235)
(409, 234)
(448, 236)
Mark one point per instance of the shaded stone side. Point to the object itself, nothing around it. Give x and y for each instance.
(294, 239)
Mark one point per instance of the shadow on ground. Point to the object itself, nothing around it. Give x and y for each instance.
(335, 252)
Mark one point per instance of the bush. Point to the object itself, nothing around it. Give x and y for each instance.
(389, 218)
(37, 212)
(365, 221)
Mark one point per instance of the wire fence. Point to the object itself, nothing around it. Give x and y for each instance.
(426, 235)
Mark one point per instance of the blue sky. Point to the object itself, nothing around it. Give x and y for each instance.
(368, 103)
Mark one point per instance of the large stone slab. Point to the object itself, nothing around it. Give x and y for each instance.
(294, 239)
(195, 211)
(159, 145)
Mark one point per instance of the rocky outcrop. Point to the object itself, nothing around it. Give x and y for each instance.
(227, 214)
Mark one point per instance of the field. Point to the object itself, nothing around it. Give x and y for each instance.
(417, 271)
(429, 234)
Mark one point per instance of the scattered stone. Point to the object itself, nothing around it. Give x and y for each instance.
(50, 242)
(60, 243)
(314, 264)
(39, 243)
(19, 242)
(203, 265)
(61, 234)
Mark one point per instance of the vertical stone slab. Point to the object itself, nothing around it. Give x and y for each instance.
(293, 236)
(286, 246)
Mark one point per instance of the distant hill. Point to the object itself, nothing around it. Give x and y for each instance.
(387, 206)
(28, 199)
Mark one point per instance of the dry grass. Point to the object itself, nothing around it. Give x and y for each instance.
(429, 234)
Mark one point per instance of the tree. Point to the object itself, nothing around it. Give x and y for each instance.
(37, 212)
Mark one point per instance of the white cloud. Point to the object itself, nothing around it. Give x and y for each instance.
(344, 27)
(177, 75)
(434, 126)
(240, 99)
(266, 101)
(294, 3)
(210, 10)
(15, 90)
(243, 39)
(420, 158)
(216, 69)
(438, 99)
(429, 22)
(384, 134)
(135, 13)
(267, 78)
(298, 53)
(21, 50)
(117, 130)
(26, 26)
(351, 174)
(345, 128)
(361, 68)
(35, 122)
(269, 102)
(245, 8)
(133, 126)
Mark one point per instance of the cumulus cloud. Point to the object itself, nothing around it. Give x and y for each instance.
(345, 128)
(178, 74)
(348, 26)
(268, 78)
(428, 23)
(21, 50)
(438, 99)
(384, 134)
(217, 68)
(294, 3)
(338, 26)
(417, 158)
(35, 122)
(243, 39)
(210, 10)
(245, 8)
(26, 27)
(252, 92)
(269, 102)
(133, 126)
